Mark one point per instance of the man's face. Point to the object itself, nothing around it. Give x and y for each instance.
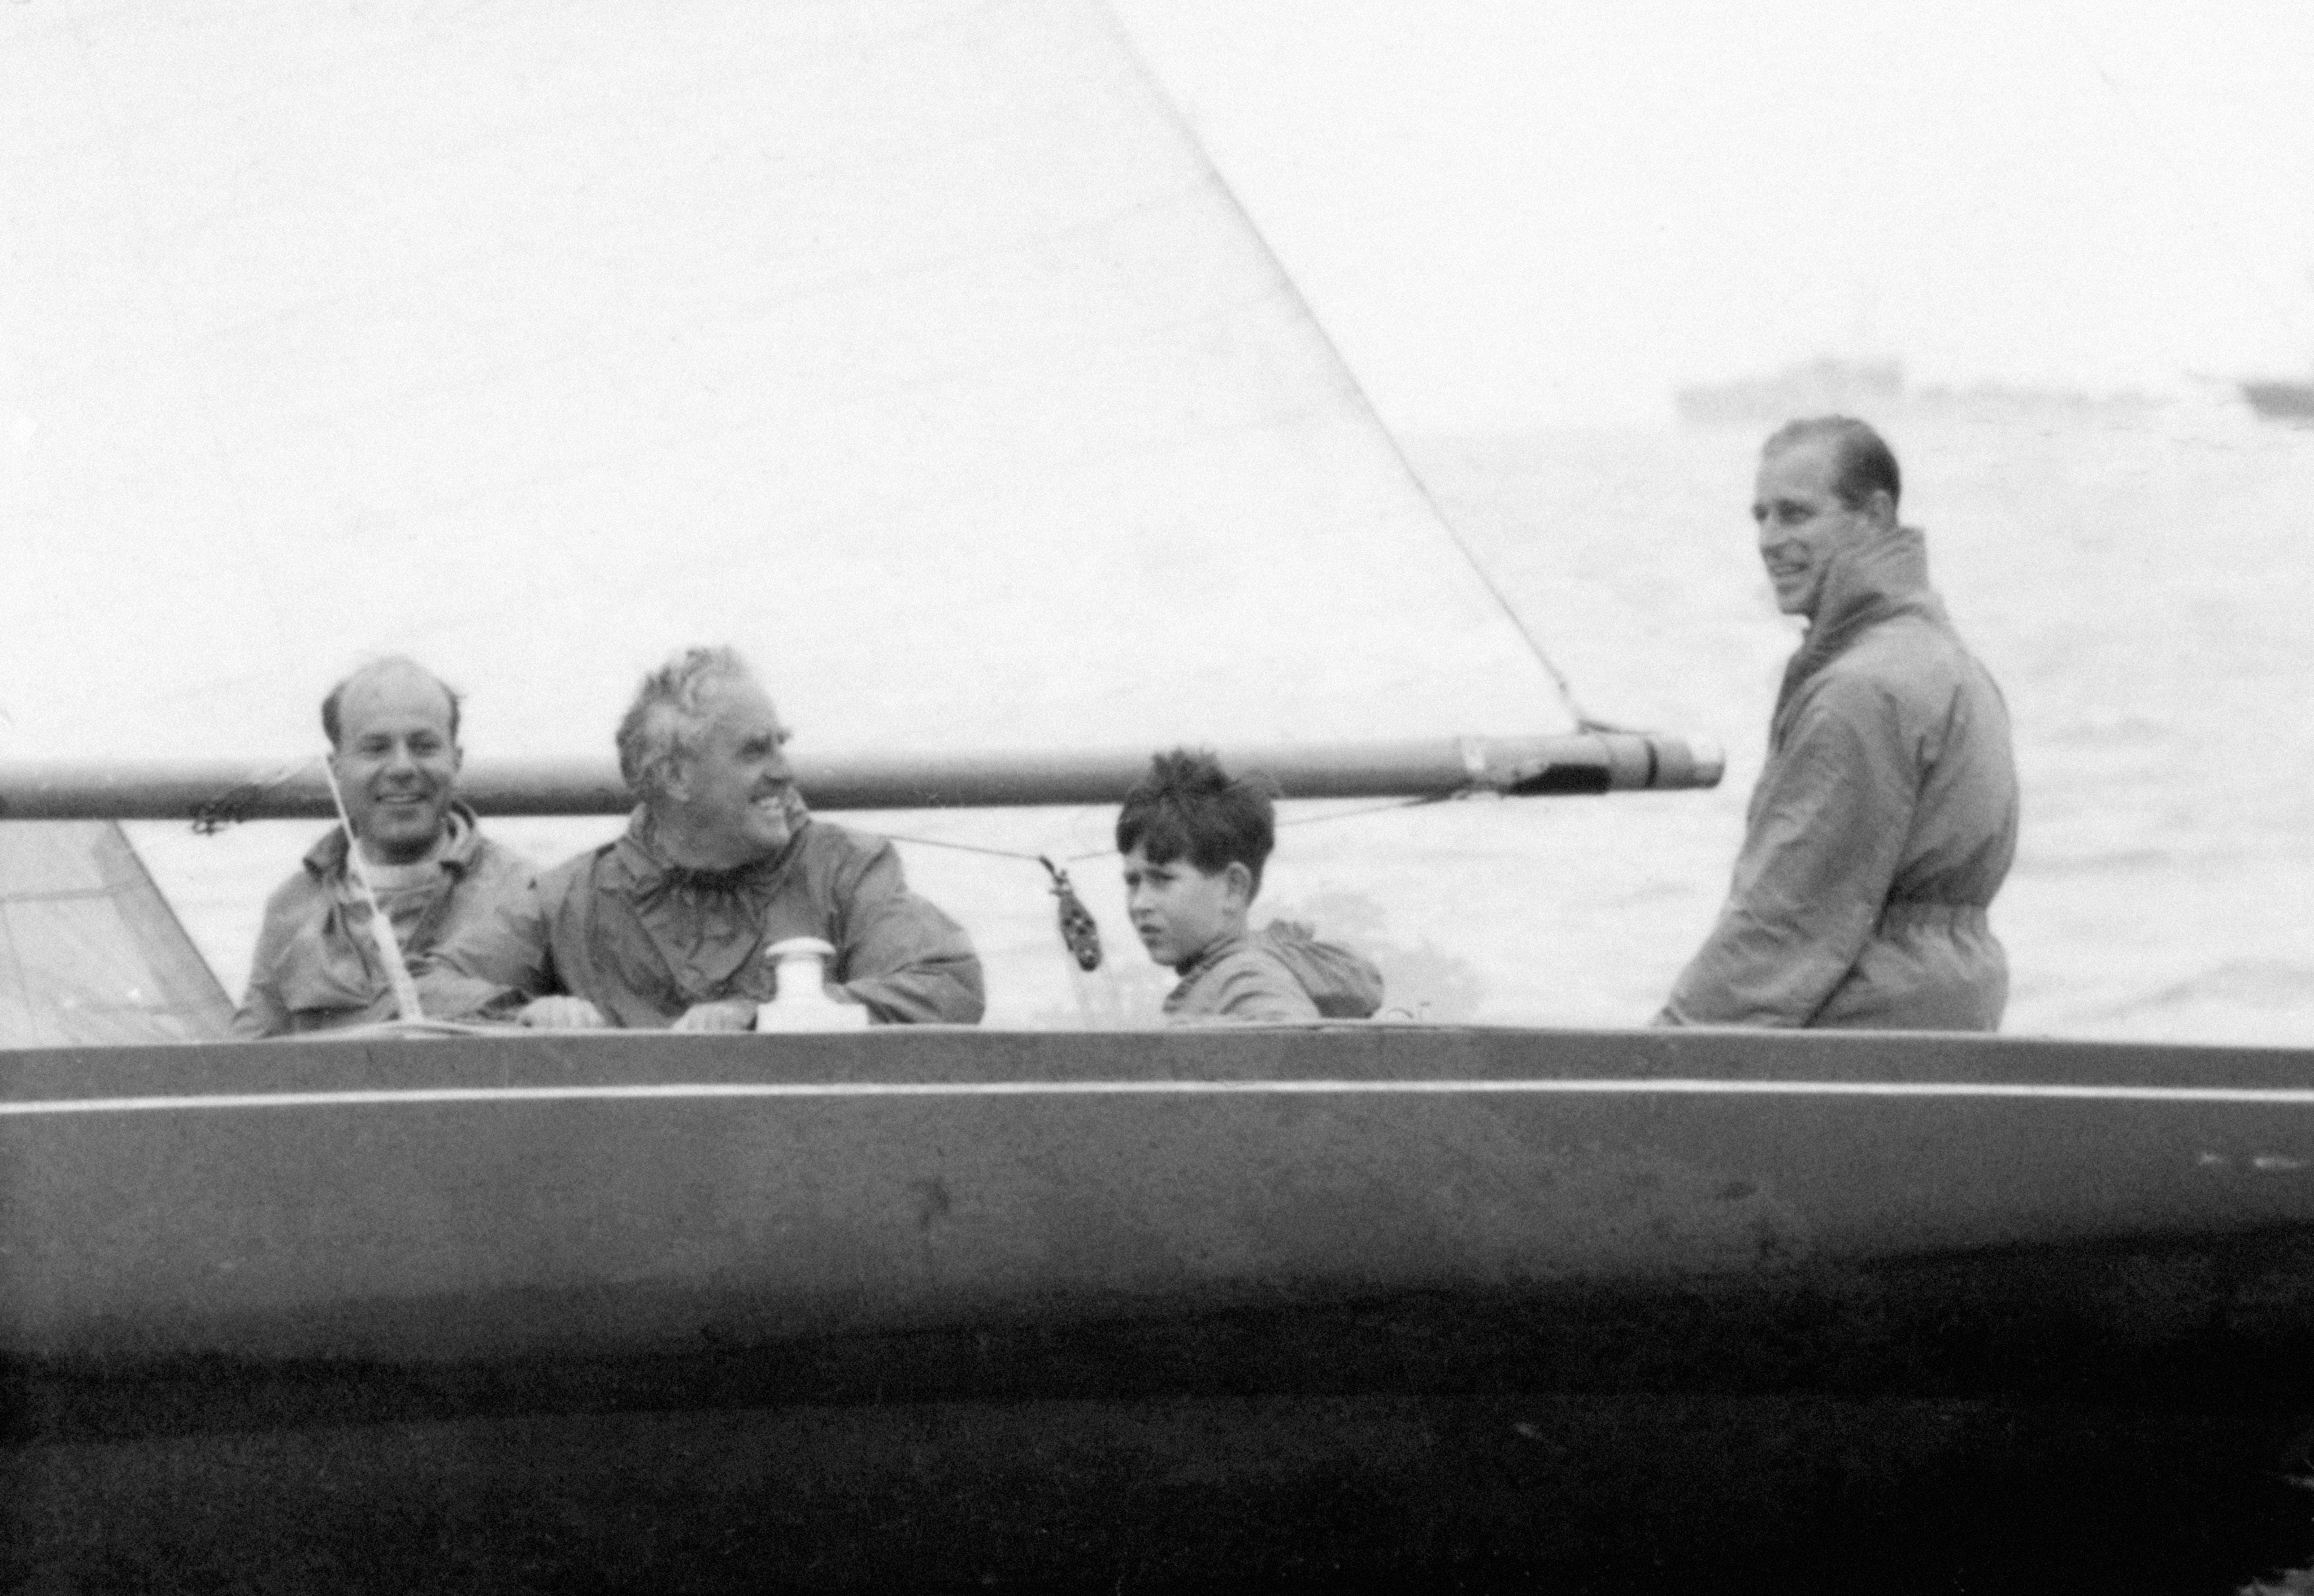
(1803, 524)
(1178, 909)
(732, 786)
(396, 763)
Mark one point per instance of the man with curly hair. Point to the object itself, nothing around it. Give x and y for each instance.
(667, 926)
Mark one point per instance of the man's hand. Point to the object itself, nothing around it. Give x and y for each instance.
(561, 1014)
(732, 1015)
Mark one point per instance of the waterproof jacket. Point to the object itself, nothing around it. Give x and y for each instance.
(317, 967)
(1238, 979)
(1883, 824)
(1344, 984)
(644, 939)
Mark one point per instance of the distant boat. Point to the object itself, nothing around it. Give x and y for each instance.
(2281, 401)
(1875, 391)
(1822, 386)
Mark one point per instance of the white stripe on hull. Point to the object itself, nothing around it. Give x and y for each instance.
(2298, 1096)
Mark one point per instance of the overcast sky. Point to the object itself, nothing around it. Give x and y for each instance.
(1509, 212)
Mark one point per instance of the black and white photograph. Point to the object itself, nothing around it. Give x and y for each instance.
(1151, 795)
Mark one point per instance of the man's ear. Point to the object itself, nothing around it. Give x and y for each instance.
(1880, 509)
(1237, 881)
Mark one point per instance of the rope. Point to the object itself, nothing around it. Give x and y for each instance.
(1080, 932)
(1076, 858)
(381, 927)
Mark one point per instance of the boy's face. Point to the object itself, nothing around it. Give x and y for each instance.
(1179, 910)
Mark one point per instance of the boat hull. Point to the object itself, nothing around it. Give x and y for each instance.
(908, 1308)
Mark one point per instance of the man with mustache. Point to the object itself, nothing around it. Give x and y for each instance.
(392, 728)
(1886, 816)
(667, 926)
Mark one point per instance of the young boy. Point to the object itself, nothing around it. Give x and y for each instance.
(1194, 842)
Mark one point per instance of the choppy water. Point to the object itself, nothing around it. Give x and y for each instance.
(2138, 582)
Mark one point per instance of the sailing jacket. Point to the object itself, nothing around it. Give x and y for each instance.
(1883, 824)
(316, 966)
(1238, 979)
(644, 939)
(1281, 972)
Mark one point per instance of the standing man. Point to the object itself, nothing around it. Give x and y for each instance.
(394, 748)
(1885, 817)
(667, 926)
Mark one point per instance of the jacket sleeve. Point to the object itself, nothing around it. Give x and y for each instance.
(497, 960)
(264, 1012)
(898, 954)
(1828, 827)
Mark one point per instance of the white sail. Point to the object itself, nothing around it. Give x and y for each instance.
(908, 344)
(89, 953)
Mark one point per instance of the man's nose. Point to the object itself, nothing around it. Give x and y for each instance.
(399, 755)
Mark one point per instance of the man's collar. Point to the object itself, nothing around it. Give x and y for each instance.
(328, 857)
(647, 870)
(1878, 574)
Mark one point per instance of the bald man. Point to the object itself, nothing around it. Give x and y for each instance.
(393, 746)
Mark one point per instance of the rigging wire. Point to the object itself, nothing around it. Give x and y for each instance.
(1584, 720)
(1290, 292)
(1073, 859)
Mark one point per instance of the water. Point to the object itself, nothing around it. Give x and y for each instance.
(2137, 582)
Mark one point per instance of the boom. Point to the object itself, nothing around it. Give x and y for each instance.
(220, 792)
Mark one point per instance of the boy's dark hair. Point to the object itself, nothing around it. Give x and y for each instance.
(1188, 805)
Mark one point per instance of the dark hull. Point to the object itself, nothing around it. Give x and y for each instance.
(916, 1308)
(2282, 401)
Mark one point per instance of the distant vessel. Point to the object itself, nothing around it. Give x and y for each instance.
(1822, 386)
(2281, 401)
(1875, 391)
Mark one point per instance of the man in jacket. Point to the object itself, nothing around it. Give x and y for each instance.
(1886, 816)
(667, 926)
(394, 750)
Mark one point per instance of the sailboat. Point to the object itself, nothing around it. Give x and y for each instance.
(884, 338)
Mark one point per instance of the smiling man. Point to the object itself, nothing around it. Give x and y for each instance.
(394, 748)
(1886, 816)
(667, 926)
